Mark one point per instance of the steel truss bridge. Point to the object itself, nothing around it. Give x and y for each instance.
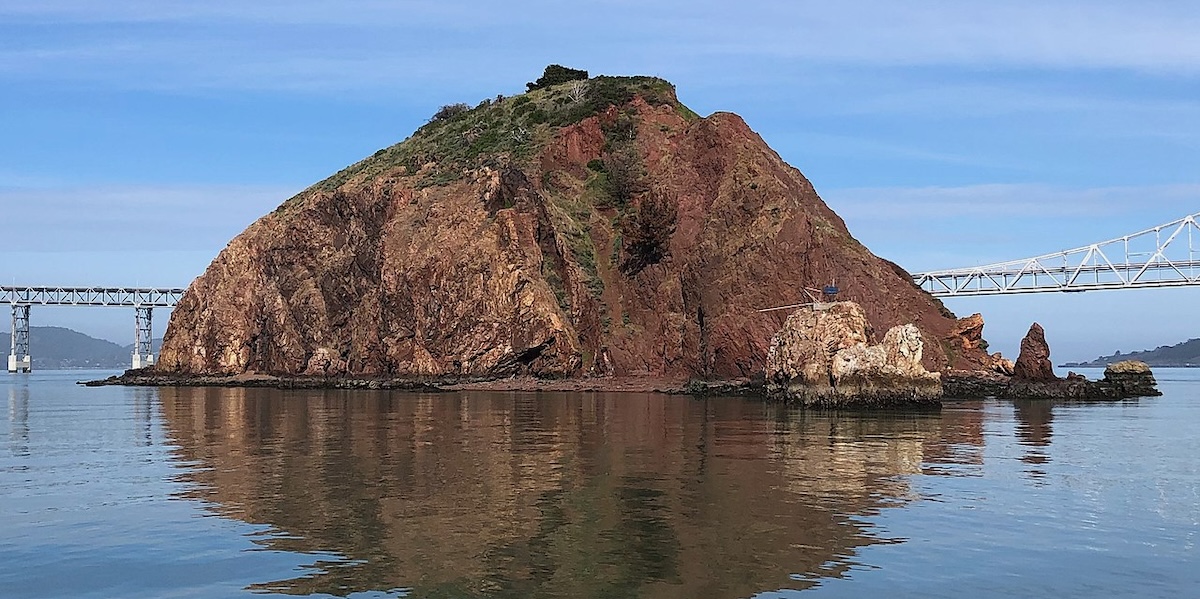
(1164, 256)
(142, 299)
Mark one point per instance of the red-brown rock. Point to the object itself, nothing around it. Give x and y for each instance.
(969, 332)
(1033, 364)
(436, 257)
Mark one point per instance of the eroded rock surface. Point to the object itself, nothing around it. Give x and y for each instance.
(822, 357)
(1033, 363)
(521, 238)
(1002, 365)
(1122, 380)
(1131, 378)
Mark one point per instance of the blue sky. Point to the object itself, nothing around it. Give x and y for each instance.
(140, 136)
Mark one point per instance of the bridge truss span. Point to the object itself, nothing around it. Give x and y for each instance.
(91, 296)
(142, 299)
(1164, 256)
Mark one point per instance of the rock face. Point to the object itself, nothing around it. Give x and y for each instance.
(1033, 364)
(557, 233)
(1131, 378)
(970, 331)
(822, 357)
(1002, 365)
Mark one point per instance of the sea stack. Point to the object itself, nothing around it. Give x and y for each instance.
(1033, 363)
(592, 227)
(1033, 377)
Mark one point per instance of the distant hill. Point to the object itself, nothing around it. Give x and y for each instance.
(57, 348)
(1186, 354)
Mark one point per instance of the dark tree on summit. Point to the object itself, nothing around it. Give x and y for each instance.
(556, 74)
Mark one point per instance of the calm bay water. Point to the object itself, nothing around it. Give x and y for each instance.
(122, 492)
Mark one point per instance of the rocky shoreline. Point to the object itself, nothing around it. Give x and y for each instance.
(631, 384)
(1032, 377)
(955, 385)
(821, 358)
(1123, 380)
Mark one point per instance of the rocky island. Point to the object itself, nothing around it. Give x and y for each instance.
(589, 228)
(591, 233)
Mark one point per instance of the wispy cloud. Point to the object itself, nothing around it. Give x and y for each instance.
(320, 46)
(131, 218)
(1010, 201)
(1152, 36)
(930, 228)
(992, 99)
(860, 146)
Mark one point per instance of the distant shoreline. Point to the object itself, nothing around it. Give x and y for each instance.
(1104, 365)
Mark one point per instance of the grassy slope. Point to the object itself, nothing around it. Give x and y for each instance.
(504, 129)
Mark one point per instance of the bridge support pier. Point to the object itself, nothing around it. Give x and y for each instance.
(143, 337)
(18, 359)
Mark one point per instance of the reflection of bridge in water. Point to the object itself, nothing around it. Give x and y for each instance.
(1164, 256)
(142, 299)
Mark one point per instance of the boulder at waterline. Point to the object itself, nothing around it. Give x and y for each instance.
(823, 357)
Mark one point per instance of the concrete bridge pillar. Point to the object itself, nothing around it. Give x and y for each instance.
(18, 359)
(143, 337)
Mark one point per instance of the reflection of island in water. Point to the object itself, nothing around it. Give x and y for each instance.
(1034, 430)
(554, 495)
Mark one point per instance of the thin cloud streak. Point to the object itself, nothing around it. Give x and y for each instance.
(1008, 200)
(931, 228)
(857, 147)
(323, 48)
(154, 218)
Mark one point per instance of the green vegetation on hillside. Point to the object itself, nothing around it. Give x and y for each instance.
(459, 137)
(504, 132)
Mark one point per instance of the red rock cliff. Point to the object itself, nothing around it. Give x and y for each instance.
(638, 239)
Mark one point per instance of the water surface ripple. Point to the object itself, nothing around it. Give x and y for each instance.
(134, 492)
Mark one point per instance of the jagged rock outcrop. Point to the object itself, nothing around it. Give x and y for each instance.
(822, 357)
(969, 333)
(597, 228)
(1033, 379)
(1001, 365)
(1033, 363)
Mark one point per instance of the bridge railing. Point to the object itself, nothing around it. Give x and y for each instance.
(1164, 256)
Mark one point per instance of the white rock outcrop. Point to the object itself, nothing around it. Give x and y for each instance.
(823, 357)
